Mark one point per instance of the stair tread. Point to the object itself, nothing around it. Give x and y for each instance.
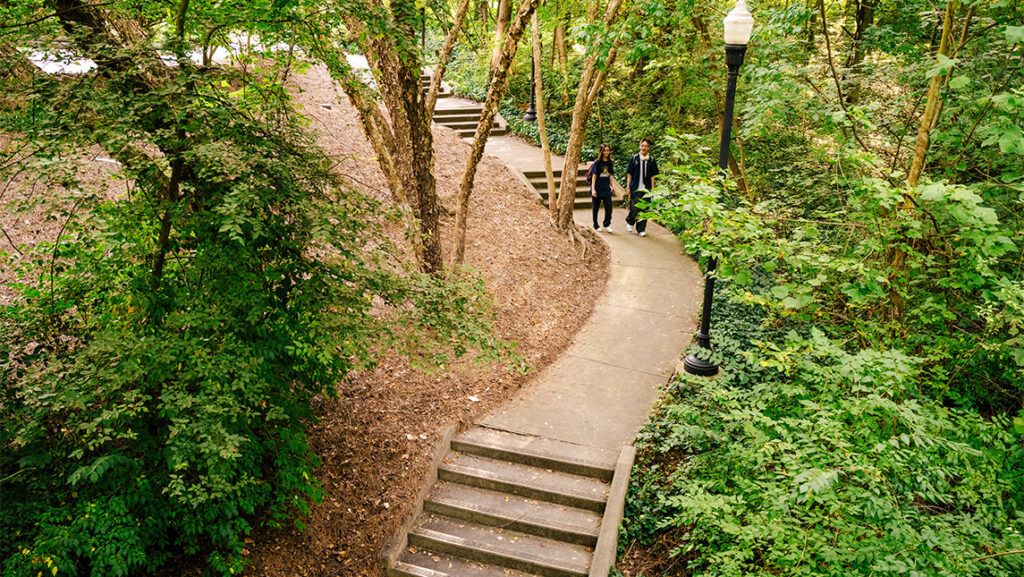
(442, 110)
(587, 488)
(506, 508)
(579, 188)
(465, 124)
(543, 178)
(430, 530)
(580, 202)
(582, 171)
(425, 563)
(468, 117)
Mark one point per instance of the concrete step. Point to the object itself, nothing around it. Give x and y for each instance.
(465, 125)
(526, 481)
(542, 178)
(471, 117)
(461, 110)
(502, 547)
(542, 183)
(586, 203)
(537, 452)
(471, 132)
(484, 507)
(581, 191)
(581, 171)
(433, 564)
(583, 202)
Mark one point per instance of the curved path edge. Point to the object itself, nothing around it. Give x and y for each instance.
(601, 390)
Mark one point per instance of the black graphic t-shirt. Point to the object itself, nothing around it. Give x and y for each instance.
(603, 171)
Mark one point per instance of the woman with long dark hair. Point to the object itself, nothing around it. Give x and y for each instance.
(600, 177)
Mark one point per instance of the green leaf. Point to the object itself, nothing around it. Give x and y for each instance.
(959, 82)
(741, 277)
(1012, 140)
(1014, 34)
(942, 66)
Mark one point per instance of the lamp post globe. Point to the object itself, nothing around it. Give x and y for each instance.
(738, 26)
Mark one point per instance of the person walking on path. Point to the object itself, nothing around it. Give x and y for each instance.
(640, 173)
(600, 179)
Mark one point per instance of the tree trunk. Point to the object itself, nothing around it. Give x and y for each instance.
(930, 111)
(501, 23)
(375, 126)
(638, 68)
(590, 85)
(445, 56)
(496, 91)
(541, 127)
(563, 59)
(865, 19)
(964, 29)
(403, 142)
(897, 256)
(811, 26)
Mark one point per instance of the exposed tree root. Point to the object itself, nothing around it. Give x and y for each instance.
(575, 236)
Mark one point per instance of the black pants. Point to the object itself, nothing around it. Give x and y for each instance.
(641, 225)
(597, 202)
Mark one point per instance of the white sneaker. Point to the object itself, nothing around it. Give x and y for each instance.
(607, 229)
(643, 234)
(629, 228)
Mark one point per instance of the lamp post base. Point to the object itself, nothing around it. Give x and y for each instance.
(697, 366)
(530, 116)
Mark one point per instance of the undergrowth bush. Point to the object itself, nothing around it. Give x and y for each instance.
(841, 439)
(830, 463)
(154, 411)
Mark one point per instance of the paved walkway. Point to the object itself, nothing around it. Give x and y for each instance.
(603, 387)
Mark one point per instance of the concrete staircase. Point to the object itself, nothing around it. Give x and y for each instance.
(464, 118)
(538, 181)
(501, 504)
(442, 92)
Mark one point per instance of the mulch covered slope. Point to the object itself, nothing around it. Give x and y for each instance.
(376, 439)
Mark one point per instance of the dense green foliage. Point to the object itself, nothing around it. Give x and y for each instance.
(156, 389)
(159, 362)
(869, 417)
(807, 459)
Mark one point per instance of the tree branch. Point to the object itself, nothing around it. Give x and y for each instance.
(446, 54)
(835, 75)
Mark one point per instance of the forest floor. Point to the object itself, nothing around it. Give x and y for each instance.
(376, 439)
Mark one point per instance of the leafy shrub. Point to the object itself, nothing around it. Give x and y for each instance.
(148, 414)
(830, 464)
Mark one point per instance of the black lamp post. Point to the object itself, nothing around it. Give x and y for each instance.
(531, 113)
(738, 25)
(423, 28)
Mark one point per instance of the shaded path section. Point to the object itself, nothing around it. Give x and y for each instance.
(601, 390)
(539, 486)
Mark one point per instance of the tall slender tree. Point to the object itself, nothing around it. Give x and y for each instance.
(542, 129)
(496, 91)
(595, 73)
